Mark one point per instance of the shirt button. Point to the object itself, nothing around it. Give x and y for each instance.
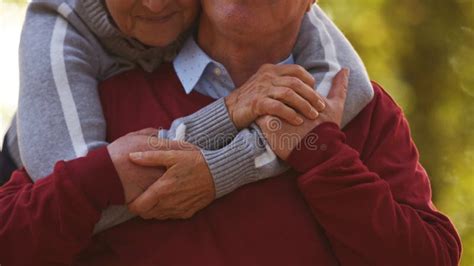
(217, 71)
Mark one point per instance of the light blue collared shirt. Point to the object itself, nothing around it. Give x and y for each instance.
(197, 71)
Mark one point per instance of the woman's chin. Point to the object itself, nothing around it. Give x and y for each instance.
(156, 39)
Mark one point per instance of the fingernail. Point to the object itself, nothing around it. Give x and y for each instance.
(314, 113)
(347, 72)
(299, 120)
(136, 155)
(322, 105)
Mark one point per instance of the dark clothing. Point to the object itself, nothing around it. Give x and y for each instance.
(7, 166)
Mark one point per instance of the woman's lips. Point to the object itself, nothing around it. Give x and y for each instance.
(157, 19)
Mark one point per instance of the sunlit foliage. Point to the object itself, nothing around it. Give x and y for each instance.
(422, 52)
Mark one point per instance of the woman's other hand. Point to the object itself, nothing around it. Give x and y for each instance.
(283, 137)
(185, 188)
(283, 91)
(136, 178)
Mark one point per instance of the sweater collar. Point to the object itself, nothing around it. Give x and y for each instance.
(96, 17)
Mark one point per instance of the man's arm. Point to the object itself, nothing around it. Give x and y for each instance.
(376, 207)
(50, 221)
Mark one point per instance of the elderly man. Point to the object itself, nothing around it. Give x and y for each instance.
(356, 196)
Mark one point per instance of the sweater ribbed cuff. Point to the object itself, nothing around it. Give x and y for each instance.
(211, 127)
(316, 147)
(231, 166)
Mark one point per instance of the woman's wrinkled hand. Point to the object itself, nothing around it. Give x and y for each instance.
(185, 188)
(283, 137)
(283, 91)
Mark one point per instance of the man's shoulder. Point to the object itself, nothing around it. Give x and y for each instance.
(383, 103)
(382, 112)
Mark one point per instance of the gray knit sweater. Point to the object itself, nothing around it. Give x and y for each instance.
(69, 46)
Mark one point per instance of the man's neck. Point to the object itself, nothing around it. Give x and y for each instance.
(242, 57)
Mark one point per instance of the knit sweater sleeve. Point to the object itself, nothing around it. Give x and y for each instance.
(374, 205)
(59, 112)
(209, 128)
(323, 50)
(50, 221)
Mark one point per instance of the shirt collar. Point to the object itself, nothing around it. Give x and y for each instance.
(290, 60)
(191, 62)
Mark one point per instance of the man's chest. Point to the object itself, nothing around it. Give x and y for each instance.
(152, 101)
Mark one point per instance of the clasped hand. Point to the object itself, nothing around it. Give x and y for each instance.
(161, 179)
(164, 179)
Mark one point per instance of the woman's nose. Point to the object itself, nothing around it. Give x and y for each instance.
(155, 6)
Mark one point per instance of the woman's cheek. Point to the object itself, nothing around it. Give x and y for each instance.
(130, 21)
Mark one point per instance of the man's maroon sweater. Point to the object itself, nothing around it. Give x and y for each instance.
(363, 199)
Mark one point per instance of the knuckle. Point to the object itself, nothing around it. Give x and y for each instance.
(268, 107)
(265, 76)
(287, 92)
(273, 107)
(259, 88)
(255, 105)
(295, 82)
(300, 68)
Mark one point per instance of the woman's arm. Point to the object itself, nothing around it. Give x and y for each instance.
(375, 206)
(59, 112)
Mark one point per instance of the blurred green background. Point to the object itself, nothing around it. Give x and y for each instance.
(422, 52)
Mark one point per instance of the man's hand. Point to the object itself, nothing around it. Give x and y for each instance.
(284, 91)
(185, 188)
(283, 137)
(135, 178)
